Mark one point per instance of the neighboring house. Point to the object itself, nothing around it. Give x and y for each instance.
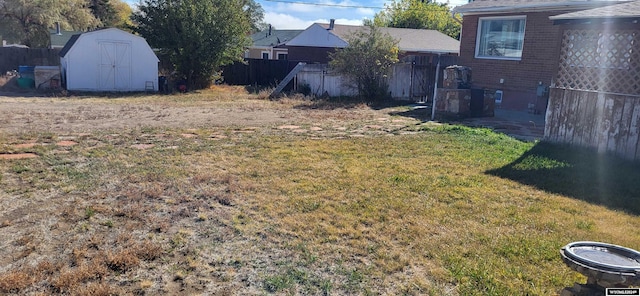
(58, 38)
(265, 44)
(595, 97)
(512, 45)
(109, 60)
(423, 53)
(316, 42)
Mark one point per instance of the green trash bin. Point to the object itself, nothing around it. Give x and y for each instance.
(26, 82)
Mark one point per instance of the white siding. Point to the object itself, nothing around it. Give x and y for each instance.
(317, 36)
(86, 62)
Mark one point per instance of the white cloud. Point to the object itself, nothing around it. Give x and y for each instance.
(342, 21)
(283, 21)
(302, 8)
(366, 12)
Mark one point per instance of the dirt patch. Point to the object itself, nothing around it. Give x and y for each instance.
(66, 143)
(79, 115)
(18, 156)
(63, 236)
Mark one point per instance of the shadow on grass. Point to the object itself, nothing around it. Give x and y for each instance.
(422, 112)
(334, 103)
(579, 173)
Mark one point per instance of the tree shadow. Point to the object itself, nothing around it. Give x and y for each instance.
(333, 103)
(422, 112)
(416, 111)
(580, 173)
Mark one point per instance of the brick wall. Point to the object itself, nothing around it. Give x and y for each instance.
(309, 54)
(539, 61)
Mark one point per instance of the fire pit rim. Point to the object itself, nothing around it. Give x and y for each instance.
(567, 251)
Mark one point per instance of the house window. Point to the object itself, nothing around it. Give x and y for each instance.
(282, 56)
(500, 37)
(265, 55)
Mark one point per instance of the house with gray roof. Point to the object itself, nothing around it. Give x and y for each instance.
(513, 46)
(316, 42)
(265, 44)
(58, 38)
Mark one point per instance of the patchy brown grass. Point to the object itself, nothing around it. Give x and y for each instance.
(351, 201)
(14, 282)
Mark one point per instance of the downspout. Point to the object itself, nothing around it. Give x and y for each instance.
(453, 16)
(435, 89)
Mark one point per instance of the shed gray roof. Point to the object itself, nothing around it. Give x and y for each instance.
(505, 6)
(74, 39)
(409, 40)
(624, 10)
(277, 37)
(69, 44)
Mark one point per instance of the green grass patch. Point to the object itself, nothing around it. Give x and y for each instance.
(448, 209)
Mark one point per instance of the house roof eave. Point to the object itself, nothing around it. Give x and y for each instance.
(445, 52)
(596, 20)
(534, 7)
(623, 12)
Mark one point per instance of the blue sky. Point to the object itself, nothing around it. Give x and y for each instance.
(282, 14)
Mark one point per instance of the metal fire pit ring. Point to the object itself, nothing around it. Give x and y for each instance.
(604, 264)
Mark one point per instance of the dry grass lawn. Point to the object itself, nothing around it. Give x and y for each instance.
(224, 193)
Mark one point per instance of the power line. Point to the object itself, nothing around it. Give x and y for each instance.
(333, 5)
(325, 4)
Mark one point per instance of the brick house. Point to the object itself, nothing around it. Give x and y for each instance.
(513, 46)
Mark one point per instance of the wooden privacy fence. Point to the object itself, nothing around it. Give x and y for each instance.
(603, 121)
(12, 57)
(595, 100)
(257, 72)
(321, 81)
(413, 81)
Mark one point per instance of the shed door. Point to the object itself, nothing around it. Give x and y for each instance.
(115, 66)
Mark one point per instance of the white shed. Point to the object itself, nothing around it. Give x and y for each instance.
(109, 60)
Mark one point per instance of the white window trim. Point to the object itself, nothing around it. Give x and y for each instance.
(479, 31)
(267, 52)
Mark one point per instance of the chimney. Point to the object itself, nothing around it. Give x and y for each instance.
(269, 29)
(58, 29)
(332, 23)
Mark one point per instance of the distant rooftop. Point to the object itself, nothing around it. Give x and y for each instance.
(273, 37)
(59, 40)
(410, 40)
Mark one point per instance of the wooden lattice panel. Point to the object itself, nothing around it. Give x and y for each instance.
(599, 60)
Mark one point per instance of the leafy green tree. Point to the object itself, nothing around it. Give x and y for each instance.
(255, 13)
(103, 11)
(367, 61)
(417, 14)
(198, 36)
(123, 15)
(29, 21)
